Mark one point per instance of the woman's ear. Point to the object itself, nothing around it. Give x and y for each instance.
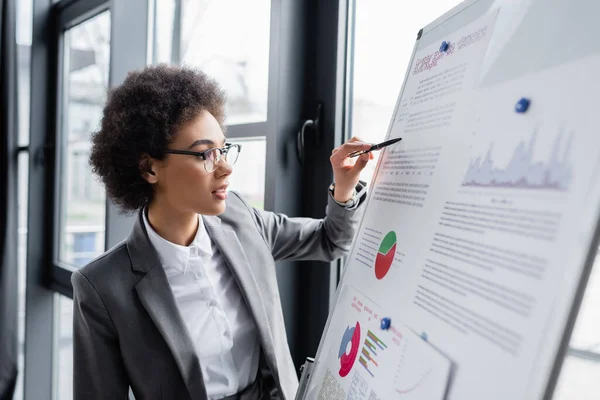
(146, 164)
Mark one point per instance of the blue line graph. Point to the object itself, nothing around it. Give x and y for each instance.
(521, 171)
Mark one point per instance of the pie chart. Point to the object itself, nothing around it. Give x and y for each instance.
(352, 336)
(385, 255)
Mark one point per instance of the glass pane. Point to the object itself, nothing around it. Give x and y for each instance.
(24, 32)
(82, 198)
(162, 35)
(227, 39)
(381, 25)
(63, 345)
(578, 380)
(248, 177)
(22, 201)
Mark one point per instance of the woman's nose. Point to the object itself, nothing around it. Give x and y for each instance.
(223, 167)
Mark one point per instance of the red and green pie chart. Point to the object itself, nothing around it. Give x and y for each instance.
(385, 255)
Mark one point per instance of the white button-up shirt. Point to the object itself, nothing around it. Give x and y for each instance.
(213, 309)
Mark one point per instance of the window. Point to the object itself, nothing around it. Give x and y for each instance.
(69, 219)
(248, 177)
(82, 198)
(578, 377)
(237, 57)
(227, 39)
(22, 263)
(24, 26)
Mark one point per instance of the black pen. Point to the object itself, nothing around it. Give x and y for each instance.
(377, 146)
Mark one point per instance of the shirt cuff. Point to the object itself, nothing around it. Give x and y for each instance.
(357, 196)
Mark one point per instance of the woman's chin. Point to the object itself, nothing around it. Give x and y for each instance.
(216, 208)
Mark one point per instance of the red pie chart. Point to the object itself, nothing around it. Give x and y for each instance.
(385, 255)
(351, 335)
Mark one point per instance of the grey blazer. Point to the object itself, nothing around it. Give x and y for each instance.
(127, 330)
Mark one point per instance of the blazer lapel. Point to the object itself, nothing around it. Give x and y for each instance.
(157, 298)
(229, 245)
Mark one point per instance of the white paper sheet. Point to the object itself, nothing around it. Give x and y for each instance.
(366, 362)
(431, 117)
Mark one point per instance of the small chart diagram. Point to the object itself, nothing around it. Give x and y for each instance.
(522, 172)
(385, 255)
(352, 336)
(414, 369)
(368, 356)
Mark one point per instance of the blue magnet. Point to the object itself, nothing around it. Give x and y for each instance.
(444, 46)
(385, 323)
(522, 105)
(424, 336)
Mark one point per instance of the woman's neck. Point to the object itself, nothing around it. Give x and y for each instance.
(173, 225)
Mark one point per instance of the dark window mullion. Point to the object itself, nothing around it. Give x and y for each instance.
(61, 281)
(59, 141)
(39, 299)
(73, 13)
(247, 130)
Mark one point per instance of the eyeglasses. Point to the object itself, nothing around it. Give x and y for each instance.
(212, 157)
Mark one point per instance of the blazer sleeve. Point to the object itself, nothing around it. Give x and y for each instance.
(302, 238)
(98, 370)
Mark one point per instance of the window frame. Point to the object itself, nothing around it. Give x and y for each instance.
(39, 298)
(44, 275)
(68, 16)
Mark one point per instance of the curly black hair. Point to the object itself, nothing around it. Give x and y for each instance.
(140, 118)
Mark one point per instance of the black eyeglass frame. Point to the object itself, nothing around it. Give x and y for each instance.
(222, 150)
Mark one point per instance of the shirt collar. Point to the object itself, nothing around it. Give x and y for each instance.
(174, 255)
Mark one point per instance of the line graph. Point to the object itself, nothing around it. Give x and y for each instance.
(556, 173)
(413, 372)
(413, 386)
